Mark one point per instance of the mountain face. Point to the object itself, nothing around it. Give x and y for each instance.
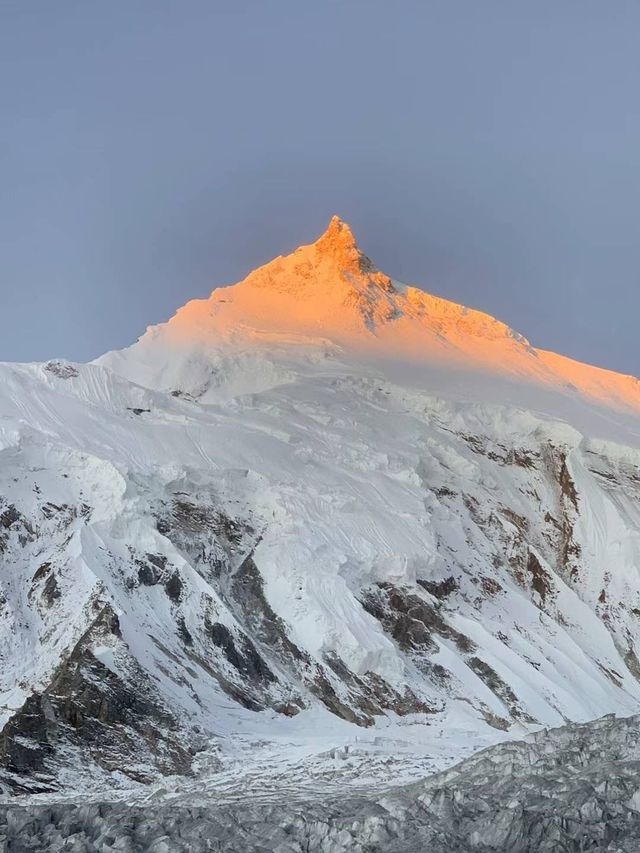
(317, 511)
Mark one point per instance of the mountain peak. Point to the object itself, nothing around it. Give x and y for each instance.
(337, 232)
(339, 244)
(329, 292)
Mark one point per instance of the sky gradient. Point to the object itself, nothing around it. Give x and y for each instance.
(488, 152)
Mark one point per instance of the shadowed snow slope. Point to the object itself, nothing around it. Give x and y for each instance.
(317, 514)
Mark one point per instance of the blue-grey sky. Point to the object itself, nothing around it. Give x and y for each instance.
(152, 149)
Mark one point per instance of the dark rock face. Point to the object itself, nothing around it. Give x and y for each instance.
(61, 369)
(241, 654)
(571, 789)
(173, 587)
(113, 718)
(152, 570)
(439, 589)
(24, 741)
(13, 521)
(410, 619)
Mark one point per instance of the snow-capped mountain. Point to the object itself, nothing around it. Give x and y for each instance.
(317, 509)
(327, 300)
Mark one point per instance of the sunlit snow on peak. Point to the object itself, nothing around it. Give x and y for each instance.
(327, 297)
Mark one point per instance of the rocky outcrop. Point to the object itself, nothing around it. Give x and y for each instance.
(105, 717)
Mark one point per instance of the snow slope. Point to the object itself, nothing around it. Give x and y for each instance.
(317, 511)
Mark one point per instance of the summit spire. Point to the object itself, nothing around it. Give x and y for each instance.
(338, 230)
(339, 243)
